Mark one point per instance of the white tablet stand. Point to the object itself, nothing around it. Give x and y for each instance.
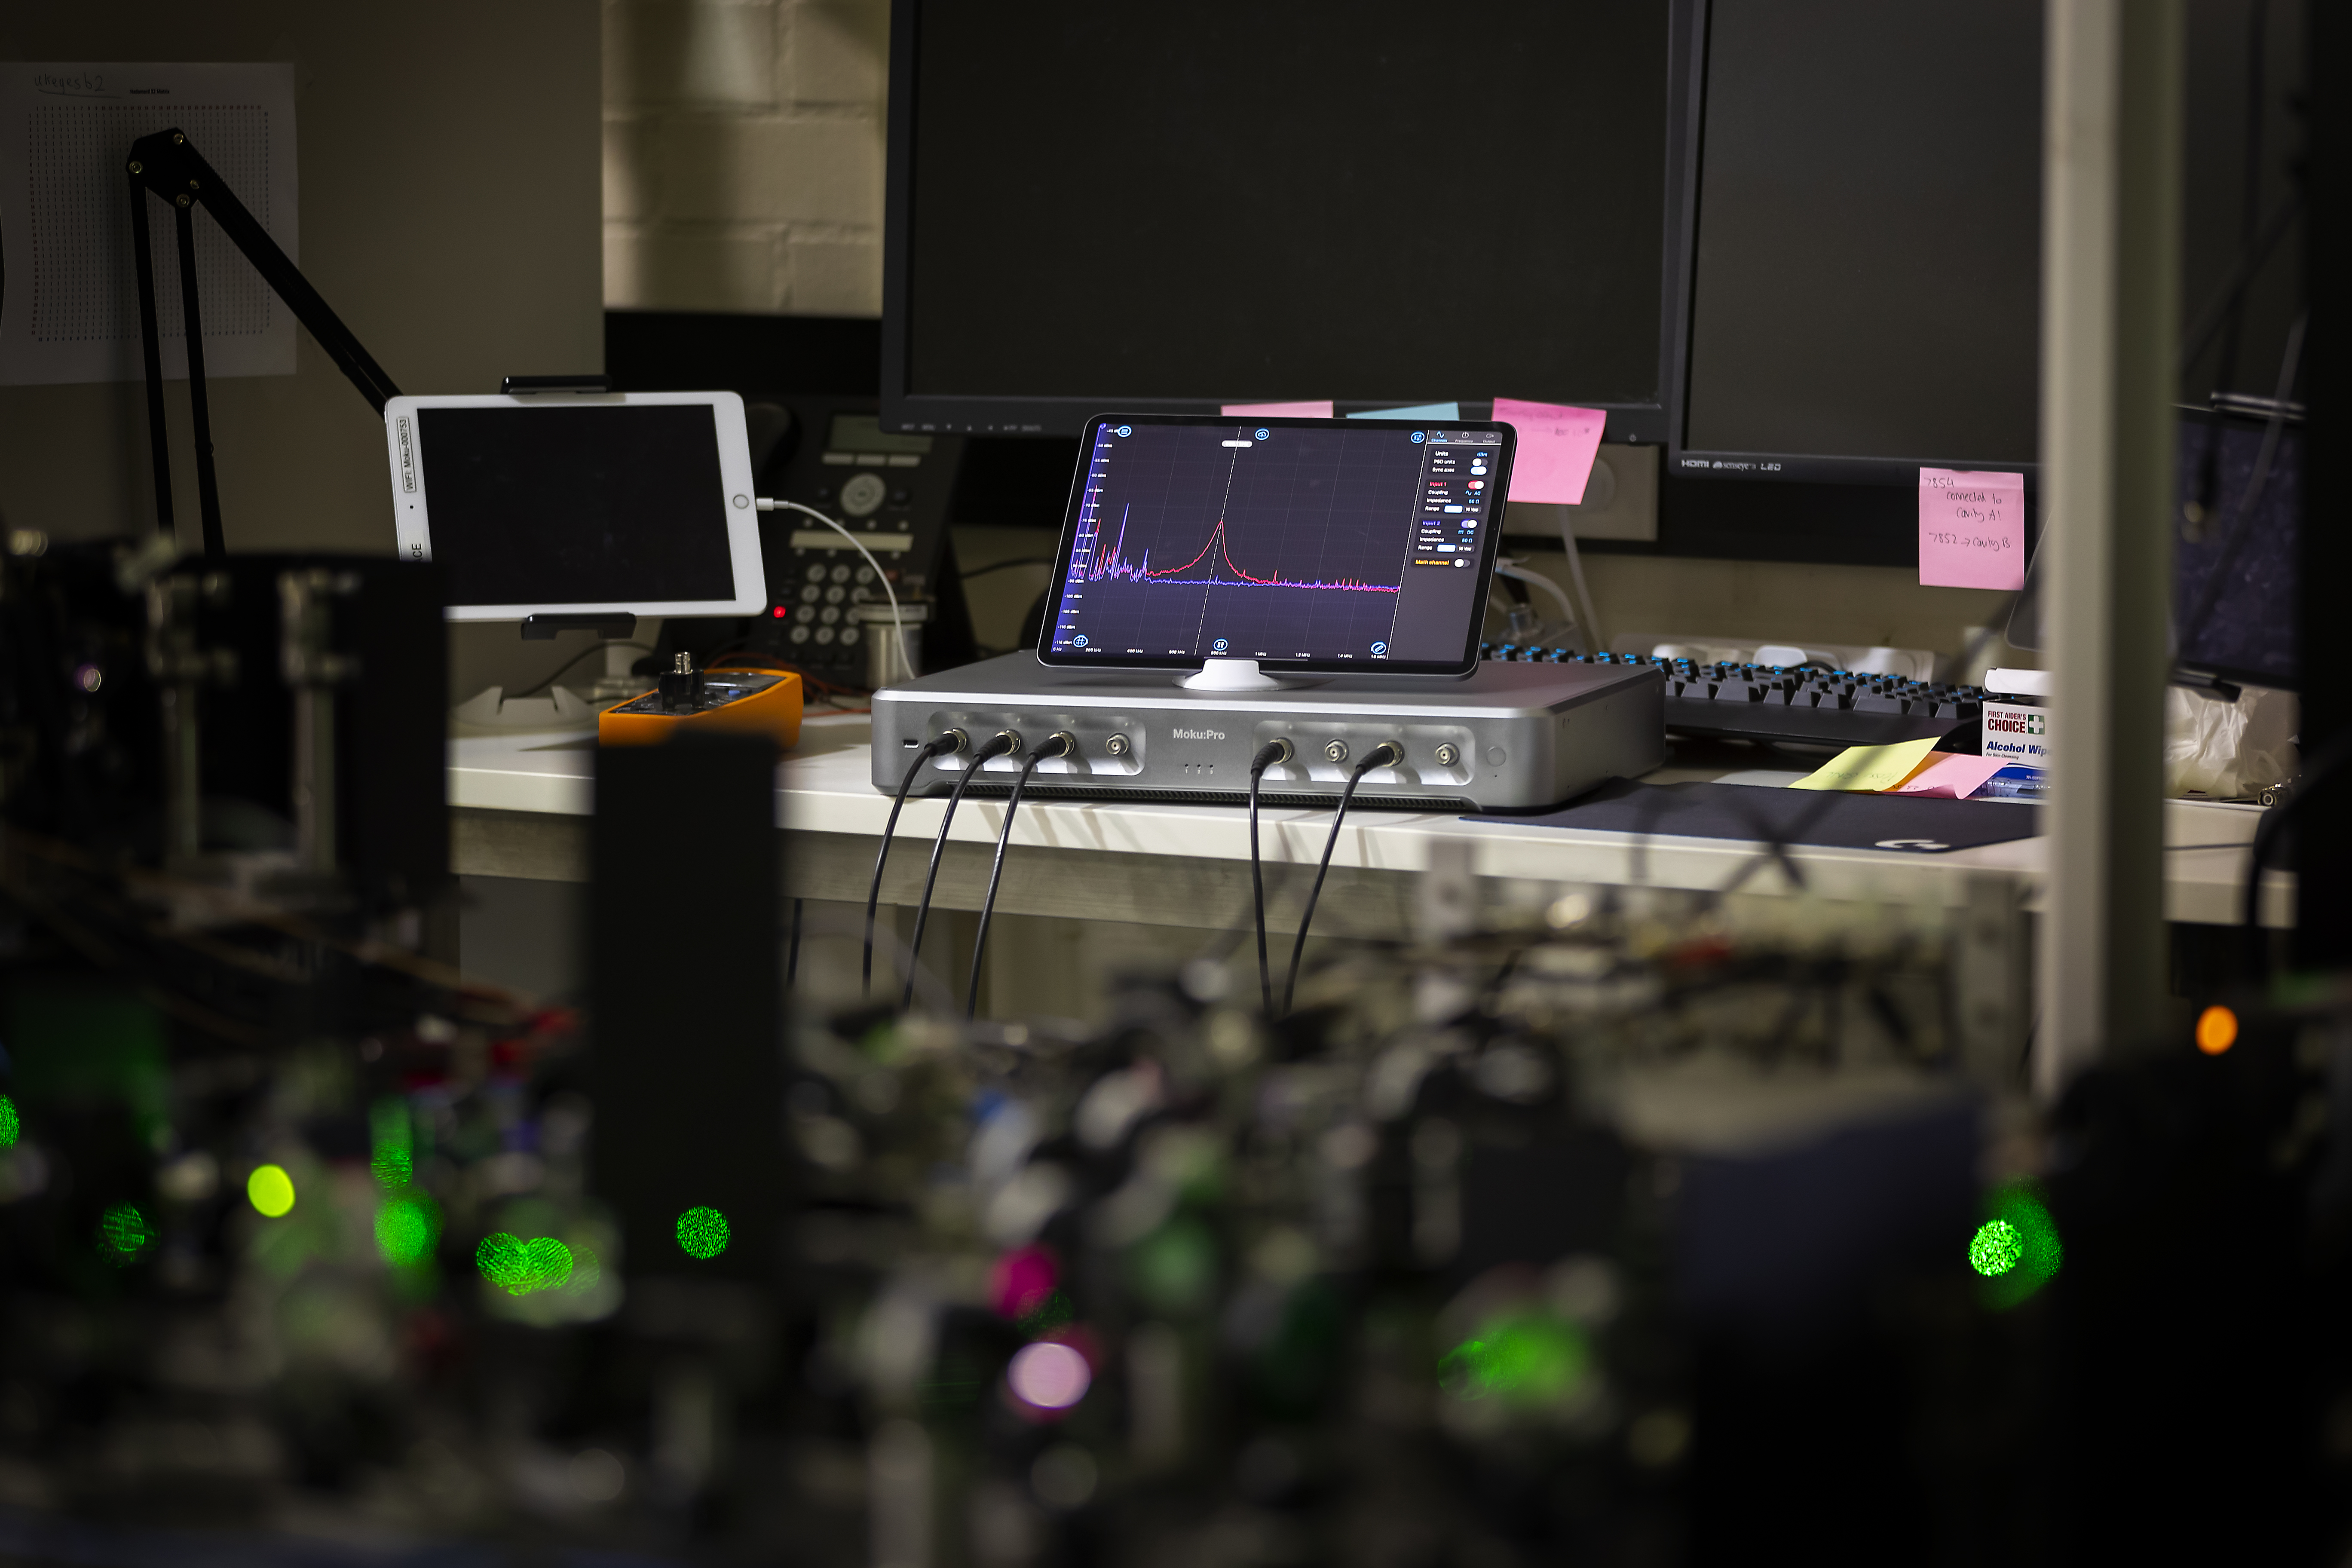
(1230, 675)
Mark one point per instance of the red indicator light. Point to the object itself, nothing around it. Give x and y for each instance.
(779, 612)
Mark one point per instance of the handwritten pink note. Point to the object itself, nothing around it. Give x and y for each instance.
(1971, 529)
(1284, 410)
(1954, 774)
(1557, 446)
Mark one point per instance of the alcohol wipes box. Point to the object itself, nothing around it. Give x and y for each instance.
(2017, 732)
(2016, 724)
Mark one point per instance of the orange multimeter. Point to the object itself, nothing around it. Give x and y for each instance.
(760, 701)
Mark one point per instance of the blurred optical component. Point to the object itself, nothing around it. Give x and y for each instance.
(1021, 1281)
(597, 1476)
(1658, 1438)
(1524, 1360)
(703, 1232)
(123, 1233)
(1064, 1477)
(2217, 1030)
(1996, 1248)
(270, 1191)
(1049, 1375)
(9, 1124)
(191, 1178)
(1569, 909)
(406, 1228)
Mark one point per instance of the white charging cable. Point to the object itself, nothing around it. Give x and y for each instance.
(1589, 623)
(1504, 567)
(898, 623)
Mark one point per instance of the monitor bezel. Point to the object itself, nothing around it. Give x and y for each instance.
(1642, 422)
(1688, 462)
(1489, 546)
(412, 505)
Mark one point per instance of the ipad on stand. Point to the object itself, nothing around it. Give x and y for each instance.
(1247, 548)
(560, 507)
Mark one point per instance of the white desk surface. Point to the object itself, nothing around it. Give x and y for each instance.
(823, 786)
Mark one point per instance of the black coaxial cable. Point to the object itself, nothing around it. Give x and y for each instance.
(1272, 752)
(938, 745)
(1061, 743)
(1003, 743)
(1386, 754)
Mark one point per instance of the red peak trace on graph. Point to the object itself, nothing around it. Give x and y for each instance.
(1116, 568)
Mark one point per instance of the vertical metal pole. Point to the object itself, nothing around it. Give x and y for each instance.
(199, 409)
(151, 352)
(2111, 245)
(310, 666)
(178, 663)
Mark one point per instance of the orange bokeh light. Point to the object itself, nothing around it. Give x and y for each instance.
(2217, 1030)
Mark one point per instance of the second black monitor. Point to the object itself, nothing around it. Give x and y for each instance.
(1178, 207)
(1864, 291)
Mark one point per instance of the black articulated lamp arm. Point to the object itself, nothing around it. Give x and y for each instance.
(165, 163)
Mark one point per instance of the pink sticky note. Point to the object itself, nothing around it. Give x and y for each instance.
(1284, 410)
(1971, 529)
(1557, 446)
(1954, 774)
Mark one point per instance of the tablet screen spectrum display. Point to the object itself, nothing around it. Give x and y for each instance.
(577, 506)
(1280, 542)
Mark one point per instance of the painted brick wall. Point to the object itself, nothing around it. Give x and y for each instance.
(744, 143)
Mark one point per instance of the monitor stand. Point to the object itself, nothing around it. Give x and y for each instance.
(1230, 675)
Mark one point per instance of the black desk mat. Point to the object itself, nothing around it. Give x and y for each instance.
(1826, 818)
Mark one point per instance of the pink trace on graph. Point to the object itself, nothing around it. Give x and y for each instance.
(1116, 568)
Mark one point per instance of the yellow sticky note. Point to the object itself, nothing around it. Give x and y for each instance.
(1870, 767)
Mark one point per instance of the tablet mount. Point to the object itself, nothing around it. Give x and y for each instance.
(1230, 675)
(166, 164)
(542, 628)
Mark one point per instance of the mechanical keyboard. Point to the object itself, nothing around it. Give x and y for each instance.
(1808, 706)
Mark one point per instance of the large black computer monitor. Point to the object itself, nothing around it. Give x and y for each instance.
(1169, 208)
(1862, 257)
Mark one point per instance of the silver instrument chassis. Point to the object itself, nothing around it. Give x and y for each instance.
(1511, 737)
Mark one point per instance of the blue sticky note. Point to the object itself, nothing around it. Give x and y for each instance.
(1445, 412)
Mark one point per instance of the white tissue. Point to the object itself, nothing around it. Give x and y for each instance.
(2228, 749)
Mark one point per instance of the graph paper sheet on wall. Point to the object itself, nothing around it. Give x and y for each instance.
(70, 312)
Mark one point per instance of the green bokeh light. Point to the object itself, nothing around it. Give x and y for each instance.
(392, 1161)
(123, 1233)
(1048, 1314)
(500, 1259)
(1175, 1269)
(270, 1191)
(2016, 1250)
(587, 1273)
(391, 1167)
(521, 1268)
(1529, 1359)
(1996, 1248)
(407, 1226)
(9, 1124)
(703, 1232)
